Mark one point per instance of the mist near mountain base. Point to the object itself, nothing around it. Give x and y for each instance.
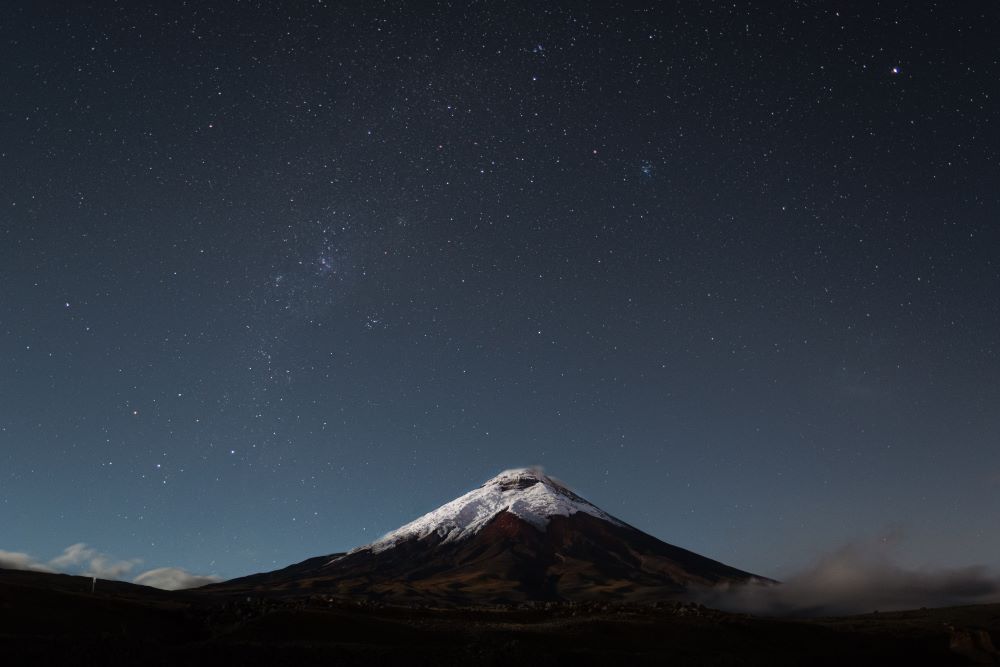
(858, 578)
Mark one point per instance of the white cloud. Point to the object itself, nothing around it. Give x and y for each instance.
(104, 568)
(81, 559)
(91, 563)
(72, 555)
(173, 578)
(16, 560)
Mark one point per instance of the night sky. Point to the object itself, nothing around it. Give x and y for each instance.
(276, 278)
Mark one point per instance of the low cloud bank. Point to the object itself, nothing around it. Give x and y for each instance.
(174, 578)
(16, 560)
(91, 563)
(80, 559)
(859, 578)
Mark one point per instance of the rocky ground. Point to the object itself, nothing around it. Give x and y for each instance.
(45, 618)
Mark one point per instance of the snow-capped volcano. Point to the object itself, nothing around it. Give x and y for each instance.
(520, 536)
(526, 493)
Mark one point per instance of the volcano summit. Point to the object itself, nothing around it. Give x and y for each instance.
(520, 536)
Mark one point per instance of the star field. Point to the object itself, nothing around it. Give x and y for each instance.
(278, 277)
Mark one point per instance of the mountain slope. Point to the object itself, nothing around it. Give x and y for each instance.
(520, 536)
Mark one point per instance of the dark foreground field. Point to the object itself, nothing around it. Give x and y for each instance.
(49, 618)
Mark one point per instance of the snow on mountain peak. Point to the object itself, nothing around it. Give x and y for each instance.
(527, 493)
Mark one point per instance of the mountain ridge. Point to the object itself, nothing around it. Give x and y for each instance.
(520, 536)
